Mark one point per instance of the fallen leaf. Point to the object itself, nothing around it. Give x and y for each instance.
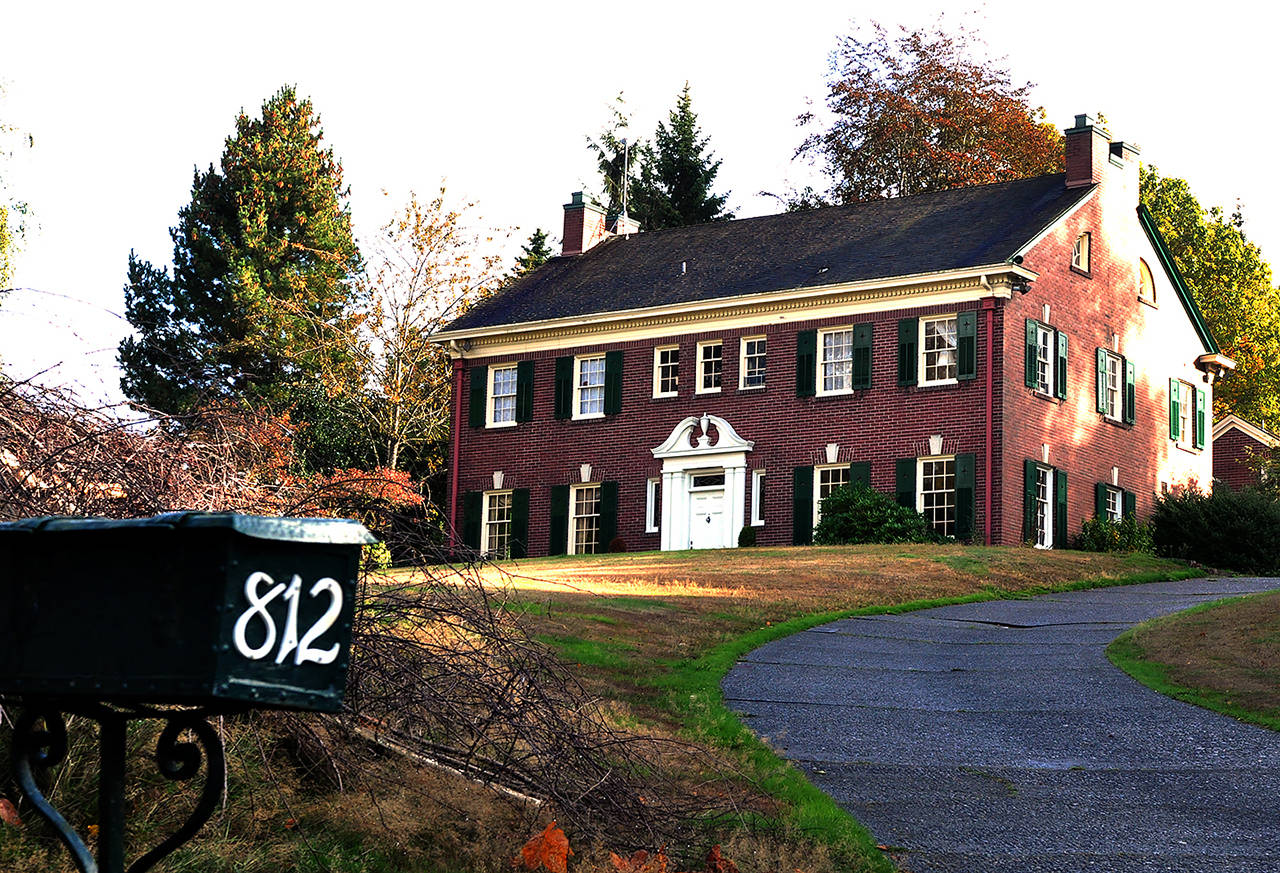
(548, 849)
(9, 813)
(641, 862)
(717, 863)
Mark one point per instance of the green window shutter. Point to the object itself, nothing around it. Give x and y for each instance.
(908, 337)
(1130, 392)
(860, 474)
(806, 363)
(862, 355)
(1029, 469)
(1175, 413)
(479, 388)
(904, 474)
(802, 506)
(1102, 380)
(1059, 509)
(967, 345)
(1060, 371)
(472, 508)
(966, 485)
(608, 514)
(524, 391)
(612, 382)
(559, 518)
(564, 394)
(1031, 375)
(1198, 437)
(1100, 499)
(1130, 504)
(520, 523)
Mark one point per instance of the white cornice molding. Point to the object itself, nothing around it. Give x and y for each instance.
(926, 289)
(1247, 428)
(727, 439)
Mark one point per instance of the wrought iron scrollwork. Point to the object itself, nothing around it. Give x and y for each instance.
(177, 759)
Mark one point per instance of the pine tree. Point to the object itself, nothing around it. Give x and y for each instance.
(617, 156)
(677, 177)
(533, 255)
(263, 258)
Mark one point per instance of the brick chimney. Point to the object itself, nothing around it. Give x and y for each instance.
(583, 225)
(1088, 151)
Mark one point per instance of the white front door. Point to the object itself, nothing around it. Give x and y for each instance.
(706, 519)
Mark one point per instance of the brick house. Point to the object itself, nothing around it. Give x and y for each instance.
(1239, 447)
(1009, 359)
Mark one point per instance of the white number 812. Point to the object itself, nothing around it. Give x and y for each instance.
(302, 650)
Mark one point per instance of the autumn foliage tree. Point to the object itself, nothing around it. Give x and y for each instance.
(1232, 285)
(922, 111)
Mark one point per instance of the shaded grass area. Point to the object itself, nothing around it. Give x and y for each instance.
(681, 620)
(1223, 656)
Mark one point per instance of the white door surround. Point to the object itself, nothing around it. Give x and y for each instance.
(717, 513)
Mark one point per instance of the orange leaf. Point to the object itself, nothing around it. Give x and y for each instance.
(640, 862)
(717, 863)
(9, 813)
(548, 849)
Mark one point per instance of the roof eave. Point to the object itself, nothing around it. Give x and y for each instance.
(1148, 223)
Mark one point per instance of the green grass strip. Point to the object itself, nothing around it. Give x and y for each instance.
(1125, 653)
(694, 692)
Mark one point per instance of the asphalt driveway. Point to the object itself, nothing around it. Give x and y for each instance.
(994, 737)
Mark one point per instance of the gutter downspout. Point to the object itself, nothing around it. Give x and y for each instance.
(989, 307)
(453, 468)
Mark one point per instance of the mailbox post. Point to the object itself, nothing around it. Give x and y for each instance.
(176, 617)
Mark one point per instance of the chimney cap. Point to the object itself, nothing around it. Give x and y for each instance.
(1086, 123)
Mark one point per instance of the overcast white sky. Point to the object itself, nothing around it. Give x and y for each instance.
(125, 99)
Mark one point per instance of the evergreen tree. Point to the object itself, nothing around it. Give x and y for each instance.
(533, 255)
(677, 176)
(263, 258)
(618, 156)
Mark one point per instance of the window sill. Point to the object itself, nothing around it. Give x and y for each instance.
(1052, 398)
(757, 524)
(1147, 302)
(593, 417)
(675, 396)
(707, 391)
(1088, 274)
(499, 425)
(751, 387)
(1190, 450)
(824, 394)
(941, 383)
(1116, 422)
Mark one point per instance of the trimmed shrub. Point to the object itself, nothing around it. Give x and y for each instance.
(617, 544)
(1104, 535)
(857, 514)
(1237, 530)
(746, 537)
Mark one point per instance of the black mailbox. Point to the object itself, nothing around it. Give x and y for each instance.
(208, 609)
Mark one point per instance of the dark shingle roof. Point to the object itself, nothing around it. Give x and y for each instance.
(948, 230)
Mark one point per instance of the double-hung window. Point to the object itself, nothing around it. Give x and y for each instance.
(1046, 365)
(936, 493)
(497, 524)
(751, 363)
(829, 478)
(584, 520)
(1188, 414)
(938, 350)
(1117, 396)
(710, 366)
(666, 371)
(1044, 508)
(1113, 398)
(502, 396)
(836, 363)
(589, 388)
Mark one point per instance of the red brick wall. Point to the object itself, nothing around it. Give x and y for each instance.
(1232, 458)
(1090, 308)
(878, 425)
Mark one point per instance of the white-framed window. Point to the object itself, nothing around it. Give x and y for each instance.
(751, 362)
(1080, 252)
(757, 498)
(666, 371)
(827, 478)
(835, 362)
(938, 350)
(710, 366)
(584, 519)
(1146, 283)
(1044, 508)
(1113, 387)
(1046, 355)
(502, 396)
(1186, 414)
(588, 387)
(495, 538)
(1115, 504)
(936, 492)
(653, 505)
